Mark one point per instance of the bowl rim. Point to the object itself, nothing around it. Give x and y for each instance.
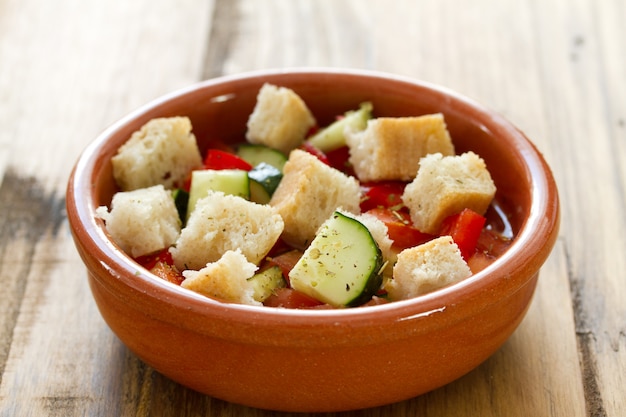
(543, 220)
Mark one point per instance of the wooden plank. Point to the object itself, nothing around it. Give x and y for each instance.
(584, 73)
(69, 68)
(603, 327)
(557, 69)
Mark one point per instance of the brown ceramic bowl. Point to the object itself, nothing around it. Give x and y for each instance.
(323, 360)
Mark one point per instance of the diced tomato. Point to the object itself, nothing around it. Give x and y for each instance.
(465, 229)
(149, 261)
(313, 130)
(338, 159)
(286, 261)
(490, 245)
(382, 194)
(479, 261)
(492, 242)
(306, 146)
(218, 159)
(400, 227)
(279, 248)
(167, 272)
(290, 298)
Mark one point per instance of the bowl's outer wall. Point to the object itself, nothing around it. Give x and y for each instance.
(313, 379)
(313, 361)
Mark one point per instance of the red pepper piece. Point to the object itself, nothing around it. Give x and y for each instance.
(382, 194)
(150, 260)
(338, 159)
(465, 229)
(168, 273)
(312, 131)
(400, 228)
(218, 159)
(286, 261)
(306, 146)
(290, 298)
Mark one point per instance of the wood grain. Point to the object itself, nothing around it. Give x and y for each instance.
(69, 68)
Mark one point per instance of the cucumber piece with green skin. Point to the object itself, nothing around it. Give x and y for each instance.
(264, 283)
(342, 266)
(181, 201)
(228, 181)
(255, 154)
(332, 137)
(264, 179)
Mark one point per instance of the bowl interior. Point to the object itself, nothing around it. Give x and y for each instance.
(219, 110)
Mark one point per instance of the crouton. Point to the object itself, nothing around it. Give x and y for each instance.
(163, 152)
(142, 221)
(390, 147)
(280, 119)
(221, 223)
(225, 279)
(446, 185)
(425, 268)
(308, 194)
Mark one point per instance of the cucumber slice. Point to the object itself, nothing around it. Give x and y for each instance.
(266, 282)
(342, 266)
(181, 200)
(228, 181)
(332, 137)
(255, 154)
(264, 179)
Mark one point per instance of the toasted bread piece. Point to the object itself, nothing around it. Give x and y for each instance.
(444, 186)
(221, 223)
(142, 221)
(425, 268)
(309, 193)
(163, 152)
(390, 147)
(225, 279)
(280, 119)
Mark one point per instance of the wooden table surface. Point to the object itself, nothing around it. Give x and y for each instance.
(555, 68)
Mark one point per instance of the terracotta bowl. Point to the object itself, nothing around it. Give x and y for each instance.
(322, 360)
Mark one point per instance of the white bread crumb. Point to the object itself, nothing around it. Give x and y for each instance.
(163, 151)
(444, 186)
(221, 223)
(427, 267)
(309, 193)
(225, 279)
(142, 221)
(390, 147)
(280, 119)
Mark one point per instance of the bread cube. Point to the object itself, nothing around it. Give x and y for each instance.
(390, 147)
(220, 223)
(445, 185)
(427, 267)
(309, 193)
(280, 119)
(225, 279)
(163, 152)
(142, 221)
